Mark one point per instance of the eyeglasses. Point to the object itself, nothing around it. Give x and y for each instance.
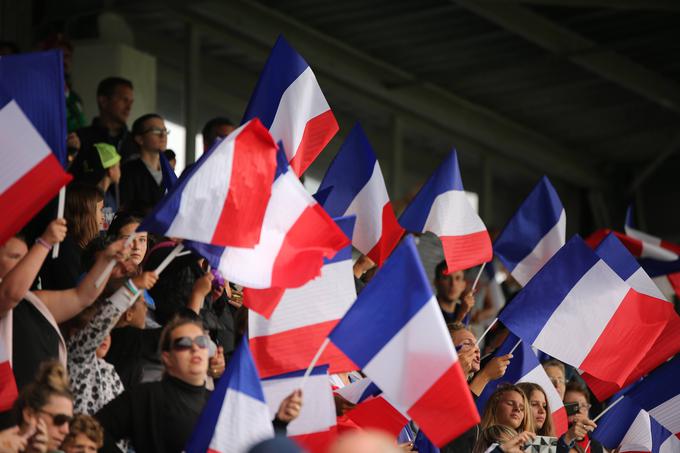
(58, 419)
(514, 405)
(583, 408)
(185, 343)
(157, 131)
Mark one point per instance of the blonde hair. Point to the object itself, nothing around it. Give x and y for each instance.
(51, 380)
(493, 434)
(548, 429)
(490, 418)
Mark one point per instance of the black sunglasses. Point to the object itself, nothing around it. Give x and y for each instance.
(185, 343)
(58, 419)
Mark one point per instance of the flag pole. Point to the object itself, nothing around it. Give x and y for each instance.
(479, 274)
(486, 331)
(516, 346)
(607, 408)
(168, 259)
(316, 358)
(106, 273)
(60, 215)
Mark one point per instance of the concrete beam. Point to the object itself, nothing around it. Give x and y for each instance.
(642, 5)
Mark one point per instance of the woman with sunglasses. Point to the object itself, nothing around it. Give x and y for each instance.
(45, 408)
(141, 181)
(160, 416)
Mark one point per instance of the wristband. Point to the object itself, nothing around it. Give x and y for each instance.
(44, 243)
(131, 287)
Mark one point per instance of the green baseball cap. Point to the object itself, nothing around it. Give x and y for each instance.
(107, 154)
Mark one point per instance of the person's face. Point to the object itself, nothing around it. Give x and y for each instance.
(100, 214)
(139, 243)
(136, 315)
(510, 410)
(450, 287)
(557, 378)
(221, 131)
(57, 409)
(10, 254)
(103, 348)
(114, 173)
(154, 136)
(80, 444)
(464, 340)
(188, 364)
(118, 106)
(538, 407)
(583, 405)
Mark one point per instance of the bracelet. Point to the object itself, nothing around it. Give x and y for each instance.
(44, 243)
(131, 287)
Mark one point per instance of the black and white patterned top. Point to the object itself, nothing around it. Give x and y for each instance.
(94, 382)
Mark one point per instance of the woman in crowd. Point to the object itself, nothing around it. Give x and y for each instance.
(85, 436)
(45, 408)
(508, 406)
(581, 423)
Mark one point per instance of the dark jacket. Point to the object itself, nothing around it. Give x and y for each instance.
(138, 189)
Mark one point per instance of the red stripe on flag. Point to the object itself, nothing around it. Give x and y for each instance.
(294, 350)
(8, 387)
(628, 337)
(464, 252)
(29, 194)
(254, 162)
(391, 235)
(670, 246)
(318, 132)
(446, 410)
(377, 413)
(316, 442)
(263, 301)
(560, 421)
(633, 245)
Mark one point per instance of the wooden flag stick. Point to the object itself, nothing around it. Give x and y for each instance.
(168, 259)
(316, 358)
(109, 267)
(607, 408)
(516, 346)
(60, 215)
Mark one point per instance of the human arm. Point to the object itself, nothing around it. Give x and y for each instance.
(466, 304)
(581, 426)
(493, 370)
(289, 410)
(202, 287)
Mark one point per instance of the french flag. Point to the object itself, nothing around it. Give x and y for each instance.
(297, 234)
(627, 427)
(289, 339)
(30, 175)
(223, 198)
(525, 367)
(579, 311)
(617, 257)
(289, 102)
(395, 333)
(236, 416)
(534, 234)
(354, 185)
(169, 176)
(442, 208)
(8, 386)
(659, 394)
(314, 429)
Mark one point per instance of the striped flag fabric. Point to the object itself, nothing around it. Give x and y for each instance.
(579, 311)
(442, 208)
(659, 394)
(627, 427)
(533, 234)
(663, 441)
(289, 102)
(297, 234)
(354, 185)
(525, 367)
(223, 198)
(8, 386)
(314, 429)
(30, 175)
(406, 349)
(288, 340)
(169, 176)
(617, 257)
(236, 416)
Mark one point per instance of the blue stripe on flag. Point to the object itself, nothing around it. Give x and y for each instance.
(282, 68)
(656, 268)
(617, 256)
(169, 177)
(658, 387)
(346, 224)
(348, 173)
(385, 305)
(659, 435)
(614, 425)
(536, 216)
(531, 308)
(445, 178)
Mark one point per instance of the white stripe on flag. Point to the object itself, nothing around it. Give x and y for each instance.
(639, 435)
(544, 250)
(302, 101)
(668, 414)
(578, 321)
(538, 376)
(664, 286)
(641, 282)
(22, 145)
(368, 207)
(452, 214)
(243, 422)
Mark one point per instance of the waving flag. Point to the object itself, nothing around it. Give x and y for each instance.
(301, 322)
(36, 82)
(222, 200)
(617, 257)
(663, 441)
(169, 176)
(534, 234)
(395, 333)
(627, 426)
(314, 429)
(525, 367)
(659, 394)
(236, 415)
(30, 175)
(579, 311)
(441, 207)
(297, 234)
(354, 185)
(289, 102)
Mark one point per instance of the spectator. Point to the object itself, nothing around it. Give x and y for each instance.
(172, 158)
(214, 129)
(86, 435)
(577, 393)
(45, 407)
(556, 373)
(508, 406)
(504, 438)
(141, 184)
(115, 96)
(123, 225)
(454, 302)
